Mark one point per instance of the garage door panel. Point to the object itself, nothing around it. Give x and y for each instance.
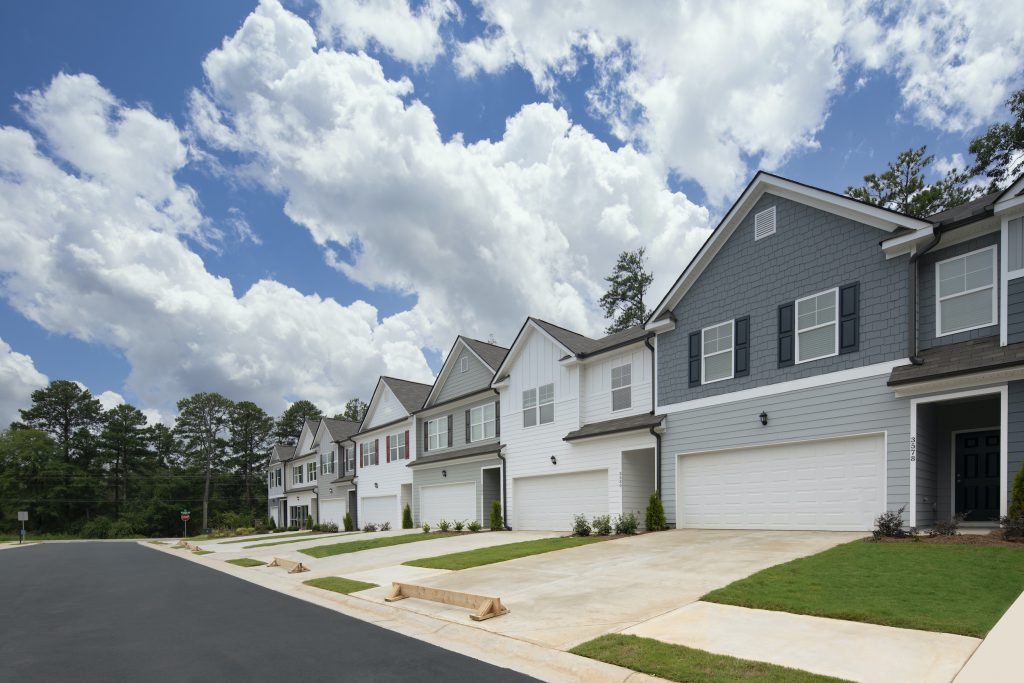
(831, 484)
(451, 502)
(550, 502)
(379, 509)
(332, 511)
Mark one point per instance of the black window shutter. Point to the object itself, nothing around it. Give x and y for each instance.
(694, 359)
(497, 418)
(741, 346)
(451, 427)
(467, 426)
(426, 437)
(786, 332)
(849, 318)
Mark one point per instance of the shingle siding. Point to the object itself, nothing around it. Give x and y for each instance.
(1015, 311)
(926, 312)
(1015, 432)
(456, 473)
(812, 251)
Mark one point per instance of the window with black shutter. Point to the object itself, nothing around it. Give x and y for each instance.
(849, 318)
(694, 359)
(786, 339)
(742, 347)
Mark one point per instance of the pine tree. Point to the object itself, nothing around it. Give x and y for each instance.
(902, 186)
(289, 425)
(201, 428)
(627, 286)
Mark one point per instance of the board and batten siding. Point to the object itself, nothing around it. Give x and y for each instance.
(860, 406)
(457, 473)
(637, 481)
(458, 383)
(597, 384)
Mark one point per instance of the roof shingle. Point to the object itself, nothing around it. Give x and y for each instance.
(615, 426)
(951, 360)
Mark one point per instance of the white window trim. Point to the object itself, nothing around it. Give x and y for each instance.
(731, 352)
(397, 440)
(612, 390)
(369, 453)
(995, 299)
(1010, 274)
(297, 469)
(482, 423)
(437, 433)
(550, 403)
(796, 326)
(535, 408)
(311, 470)
(464, 364)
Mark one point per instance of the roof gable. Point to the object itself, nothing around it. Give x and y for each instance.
(393, 399)
(489, 356)
(305, 441)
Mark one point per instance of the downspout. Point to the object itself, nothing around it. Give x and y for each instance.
(657, 437)
(504, 492)
(912, 296)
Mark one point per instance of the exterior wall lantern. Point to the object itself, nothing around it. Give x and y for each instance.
(554, 460)
(764, 418)
(444, 473)
(376, 485)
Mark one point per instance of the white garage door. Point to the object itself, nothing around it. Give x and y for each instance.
(379, 509)
(333, 511)
(453, 502)
(835, 484)
(549, 503)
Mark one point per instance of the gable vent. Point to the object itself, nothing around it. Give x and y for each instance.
(764, 223)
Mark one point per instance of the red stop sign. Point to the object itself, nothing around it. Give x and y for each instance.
(185, 518)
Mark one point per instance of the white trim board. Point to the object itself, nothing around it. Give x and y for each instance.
(863, 372)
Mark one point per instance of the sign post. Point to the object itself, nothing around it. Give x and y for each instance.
(185, 516)
(22, 517)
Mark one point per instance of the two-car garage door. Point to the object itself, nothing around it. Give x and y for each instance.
(550, 502)
(833, 484)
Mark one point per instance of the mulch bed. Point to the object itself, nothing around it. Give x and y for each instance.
(994, 537)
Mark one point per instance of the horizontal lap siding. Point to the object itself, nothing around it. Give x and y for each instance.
(1015, 429)
(842, 409)
(459, 383)
(1015, 311)
(457, 473)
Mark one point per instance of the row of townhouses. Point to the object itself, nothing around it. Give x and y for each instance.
(819, 361)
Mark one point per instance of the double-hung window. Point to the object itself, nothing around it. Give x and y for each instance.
(370, 452)
(529, 407)
(717, 352)
(350, 460)
(539, 405)
(297, 474)
(965, 292)
(622, 382)
(817, 326)
(311, 471)
(397, 441)
(278, 480)
(329, 462)
(481, 422)
(437, 433)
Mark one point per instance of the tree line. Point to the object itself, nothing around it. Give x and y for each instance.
(78, 469)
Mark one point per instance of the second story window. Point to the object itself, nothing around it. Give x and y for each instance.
(539, 405)
(622, 380)
(965, 292)
(396, 444)
(369, 450)
(350, 460)
(297, 474)
(437, 433)
(716, 352)
(481, 422)
(311, 471)
(327, 462)
(817, 328)
(278, 478)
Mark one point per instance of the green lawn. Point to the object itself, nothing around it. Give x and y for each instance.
(369, 544)
(680, 663)
(263, 537)
(339, 585)
(292, 540)
(948, 588)
(246, 562)
(202, 552)
(501, 553)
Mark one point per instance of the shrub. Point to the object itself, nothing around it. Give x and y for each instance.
(426, 527)
(309, 521)
(460, 525)
(890, 525)
(580, 525)
(654, 519)
(626, 524)
(1013, 525)
(1016, 508)
(329, 527)
(407, 517)
(444, 525)
(271, 524)
(497, 523)
(473, 526)
(349, 524)
(97, 527)
(950, 528)
(121, 529)
(294, 526)
(386, 526)
(315, 527)
(370, 527)
(602, 525)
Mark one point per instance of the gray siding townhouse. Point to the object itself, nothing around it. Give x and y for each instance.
(277, 502)
(821, 360)
(336, 492)
(457, 472)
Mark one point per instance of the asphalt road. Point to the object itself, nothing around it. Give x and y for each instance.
(121, 612)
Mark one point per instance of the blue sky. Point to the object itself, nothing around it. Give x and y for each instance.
(848, 101)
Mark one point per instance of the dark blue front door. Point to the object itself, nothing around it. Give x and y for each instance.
(977, 475)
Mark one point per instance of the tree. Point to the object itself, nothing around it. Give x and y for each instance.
(200, 427)
(68, 413)
(355, 410)
(902, 187)
(627, 286)
(250, 429)
(289, 425)
(999, 151)
(124, 443)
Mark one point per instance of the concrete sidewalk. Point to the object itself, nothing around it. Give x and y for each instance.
(831, 647)
(998, 657)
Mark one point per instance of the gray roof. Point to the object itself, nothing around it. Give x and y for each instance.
(282, 452)
(950, 360)
(410, 394)
(974, 208)
(492, 354)
(581, 346)
(456, 454)
(616, 426)
(340, 429)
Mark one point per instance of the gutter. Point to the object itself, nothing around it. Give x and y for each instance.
(657, 437)
(912, 295)
(504, 491)
(590, 354)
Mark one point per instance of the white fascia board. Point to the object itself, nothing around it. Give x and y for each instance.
(979, 379)
(659, 326)
(1008, 204)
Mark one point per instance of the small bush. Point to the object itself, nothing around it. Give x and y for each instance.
(654, 519)
(309, 521)
(329, 527)
(370, 527)
(426, 527)
(278, 530)
(444, 525)
(315, 527)
(473, 526)
(349, 524)
(626, 524)
(459, 525)
(1013, 526)
(890, 525)
(407, 517)
(386, 526)
(1016, 508)
(293, 526)
(950, 528)
(580, 525)
(602, 525)
(497, 523)
(271, 524)
(97, 527)
(121, 529)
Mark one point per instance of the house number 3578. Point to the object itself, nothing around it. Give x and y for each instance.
(913, 448)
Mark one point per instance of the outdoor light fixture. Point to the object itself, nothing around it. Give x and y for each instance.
(554, 461)
(444, 473)
(375, 485)
(330, 490)
(764, 418)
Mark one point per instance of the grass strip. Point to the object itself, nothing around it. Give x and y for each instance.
(502, 553)
(293, 540)
(339, 584)
(246, 562)
(263, 537)
(369, 544)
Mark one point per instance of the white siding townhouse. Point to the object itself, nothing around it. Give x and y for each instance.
(301, 477)
(277, 501)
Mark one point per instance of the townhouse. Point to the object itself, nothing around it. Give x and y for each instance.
(821, 360)
(277, 501)
(335, 490)
(457, 472)
(384, 448)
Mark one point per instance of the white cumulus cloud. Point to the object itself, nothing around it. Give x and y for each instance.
(18, 379)
(411, 35)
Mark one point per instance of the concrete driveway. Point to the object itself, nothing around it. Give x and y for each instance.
(563, 598)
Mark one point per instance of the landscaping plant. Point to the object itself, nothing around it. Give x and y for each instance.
(459, 525)
(444, 525)
(602, 525)
(349, 524)
(654, 519)
(407, 517)
(473, 526)
(580, 525)
(890, 525)
(329, 527)
(426, 527)
(309, 521)
(626, 524)
(386, 526)
(271, 524)
(370, 527)
(1013, 526)
(497, 523)
(950, 528)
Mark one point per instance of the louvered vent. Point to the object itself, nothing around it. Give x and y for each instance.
(764, 223)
